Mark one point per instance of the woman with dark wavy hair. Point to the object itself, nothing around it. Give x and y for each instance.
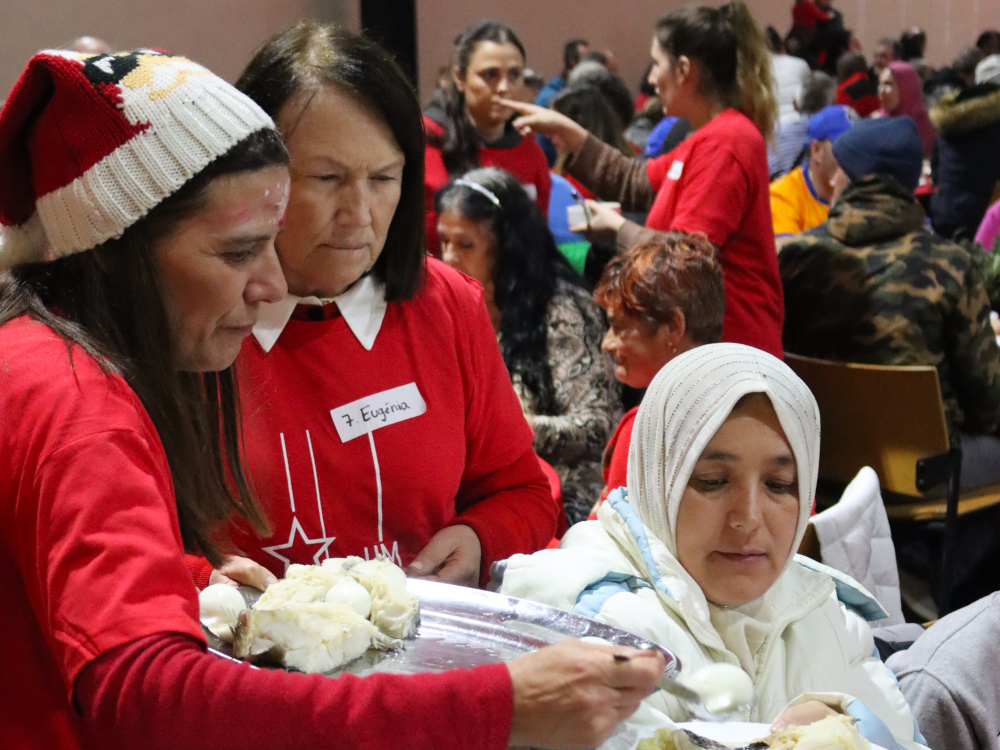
(549, 329)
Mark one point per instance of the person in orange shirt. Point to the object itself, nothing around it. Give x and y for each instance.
(801, 199)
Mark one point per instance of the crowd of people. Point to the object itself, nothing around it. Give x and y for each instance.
(300, 317)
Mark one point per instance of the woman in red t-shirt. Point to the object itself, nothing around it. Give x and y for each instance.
(122, 308)
(711, 67)
(475, 130)
(663, 298)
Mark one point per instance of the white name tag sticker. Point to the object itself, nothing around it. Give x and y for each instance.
(377, 411)
(531, 189)
(676, 170)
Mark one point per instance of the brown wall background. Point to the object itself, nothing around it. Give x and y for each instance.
(220, 34)
(625, 26)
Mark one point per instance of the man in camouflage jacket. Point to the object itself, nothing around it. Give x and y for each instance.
(871, 285)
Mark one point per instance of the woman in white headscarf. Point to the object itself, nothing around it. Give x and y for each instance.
(699, 553)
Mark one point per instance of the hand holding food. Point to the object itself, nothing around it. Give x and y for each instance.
(573, 694)
(564, 132)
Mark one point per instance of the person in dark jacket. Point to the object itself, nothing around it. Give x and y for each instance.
(966, 163)
(871, 285)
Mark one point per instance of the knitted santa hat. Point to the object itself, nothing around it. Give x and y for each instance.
(90, 143)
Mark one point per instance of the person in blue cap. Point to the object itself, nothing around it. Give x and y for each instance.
(872, 285)
(801, 199)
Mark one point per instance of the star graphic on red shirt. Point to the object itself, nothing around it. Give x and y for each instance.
(299, 549)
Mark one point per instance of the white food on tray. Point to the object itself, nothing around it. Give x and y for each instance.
(219, 608)
(319, 617)
(395, 611)
(353, 594)
(832, 733)
(722, 687)
(310, 637)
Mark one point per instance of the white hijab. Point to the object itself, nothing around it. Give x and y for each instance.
(684, 407)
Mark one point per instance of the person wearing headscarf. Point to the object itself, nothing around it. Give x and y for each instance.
(698, 553)
(901, 93)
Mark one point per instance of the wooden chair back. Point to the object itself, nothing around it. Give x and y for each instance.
(886, 417)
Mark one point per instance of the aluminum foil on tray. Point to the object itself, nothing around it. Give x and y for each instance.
(462, 627)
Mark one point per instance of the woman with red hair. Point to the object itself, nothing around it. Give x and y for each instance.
(662, 298)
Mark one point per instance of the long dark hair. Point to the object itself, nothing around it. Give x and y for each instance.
(109, 302)
(308, 56)
(589, 108)
(731, 51)
(612, 87)
(526, 269)
(460, 143)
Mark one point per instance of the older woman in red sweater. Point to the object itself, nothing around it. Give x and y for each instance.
(380, 416)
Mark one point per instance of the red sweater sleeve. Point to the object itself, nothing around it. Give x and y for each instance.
(200, 570)
(162, 691)
(511, 510)
(504, 496)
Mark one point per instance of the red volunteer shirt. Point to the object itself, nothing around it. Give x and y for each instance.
(395, 472)
(616, 454)
(520, 156)
(99, 608)
(90, 547)
(716, 183)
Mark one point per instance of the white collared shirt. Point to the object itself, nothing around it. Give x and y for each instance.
(363, 307)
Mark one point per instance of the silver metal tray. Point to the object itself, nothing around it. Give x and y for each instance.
(462, 627)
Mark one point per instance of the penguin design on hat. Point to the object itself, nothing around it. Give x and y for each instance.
(91, 143)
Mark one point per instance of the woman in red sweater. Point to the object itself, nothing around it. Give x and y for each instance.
(380, 416)
(475, 130)
(711, 67)
(663, 298)
(133, 264)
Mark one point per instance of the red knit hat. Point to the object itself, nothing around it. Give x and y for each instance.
(90, 143)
